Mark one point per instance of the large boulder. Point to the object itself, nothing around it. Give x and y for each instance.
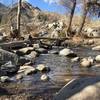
(6, 56)
(67, 52)
(8, 68)
(80, 89)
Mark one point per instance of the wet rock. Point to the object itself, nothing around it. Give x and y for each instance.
(30, 71)
(97, 58)
(96, 48)
(53, 52)
(67, 52)
(86, 62)
(80, 89)
(9, 68)
(26, 50)
(44, 77)
(19, 76)
(42, 68)
(4, 79)
(41, 50)
(76, 59)
(27, 70)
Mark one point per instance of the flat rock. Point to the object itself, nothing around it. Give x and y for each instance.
(96, 48)
(26, 50)
(76, 59)
(67, 52)
(27, 70)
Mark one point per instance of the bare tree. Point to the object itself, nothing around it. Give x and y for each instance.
(69, 4)
(85, 11)
(91, 6)
(18, 16)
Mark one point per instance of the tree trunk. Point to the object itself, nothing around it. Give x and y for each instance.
(71, 17)
(18, 16)
(85, 11)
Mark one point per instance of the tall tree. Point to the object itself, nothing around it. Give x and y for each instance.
(69, 4)
(85, 11)
(91, 7)
(18, 16)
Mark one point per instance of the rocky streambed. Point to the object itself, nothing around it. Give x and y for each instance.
(43, 72)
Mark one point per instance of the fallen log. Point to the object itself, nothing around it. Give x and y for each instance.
(14, 44)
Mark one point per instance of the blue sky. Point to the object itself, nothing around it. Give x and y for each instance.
(47, 6)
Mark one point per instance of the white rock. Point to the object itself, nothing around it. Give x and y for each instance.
(4, 78)
(30, 71)
(75, 59)
(27, 70)
(44, 77)
(25, 50)
(66, 52)
(19, 76)
(97, 58)
(41, 67)
(96, 48)
(86, 62)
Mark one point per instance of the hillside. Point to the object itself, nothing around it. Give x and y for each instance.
(35, 21)
(3, 10)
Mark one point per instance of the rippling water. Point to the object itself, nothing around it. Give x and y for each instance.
(60, 68)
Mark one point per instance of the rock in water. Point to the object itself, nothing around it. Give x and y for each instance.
(26, 50)
(67, 52)
(44, 77)
(97, 58)
(96, 48)
(4, 79)
(42, 68)
(76, 59)
(86, 62)
(27, 70)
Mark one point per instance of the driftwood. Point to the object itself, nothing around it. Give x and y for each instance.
(14, 44)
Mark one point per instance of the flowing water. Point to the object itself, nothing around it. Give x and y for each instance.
(62, 70)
